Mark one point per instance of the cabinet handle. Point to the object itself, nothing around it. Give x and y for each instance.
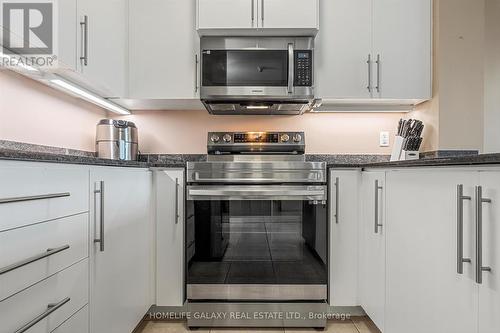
(479, 235)
(262, 13)
(50, 308)
(253, 12)
(377, 189)
(30, 260)
(378, 73)
(337, 191)
(34, 197)
(84, 26)
(196, 62)
(177, 201)
(101, 213)
(460, 229)
(369, 62)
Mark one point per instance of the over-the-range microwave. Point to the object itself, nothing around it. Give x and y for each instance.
(257, 75)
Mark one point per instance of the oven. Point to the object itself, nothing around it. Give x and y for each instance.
(266, 75)
(259, 221)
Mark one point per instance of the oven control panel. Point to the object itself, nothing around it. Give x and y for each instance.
(244, 142)
(303, 68)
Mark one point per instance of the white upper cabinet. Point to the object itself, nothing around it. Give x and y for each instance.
(164, 49)
(289, 14)
(102, 45)
(342, 48)
(247, 17)
(227, 14)
(402, 49)
(376, 49)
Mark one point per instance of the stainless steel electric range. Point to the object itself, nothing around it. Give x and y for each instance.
(257, 228)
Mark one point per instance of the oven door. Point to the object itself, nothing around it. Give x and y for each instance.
(258, 243)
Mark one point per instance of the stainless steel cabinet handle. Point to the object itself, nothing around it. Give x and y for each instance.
(84, 26)
(196, 73)
(460, 229)
(50, 308)
(262, 13)
(34, 197)
(377, 189)
(30, 260)
(337, 192)
(479, 235)
(378, 73)
(369, 62)
(253, 12)
(176, 214)
(101, 221)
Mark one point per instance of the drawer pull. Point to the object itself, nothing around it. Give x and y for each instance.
(28, 261)
(35, 197)
(50, 308)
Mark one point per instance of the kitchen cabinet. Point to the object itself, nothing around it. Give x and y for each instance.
(373, 246)
(278, 17)
(342, 49)
(374, 50)
(164, 49)
(121, 264)
(344, 199)
(489, 293)
(170, 247)
(425, 292)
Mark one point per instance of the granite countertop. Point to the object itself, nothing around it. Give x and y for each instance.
(482, 159)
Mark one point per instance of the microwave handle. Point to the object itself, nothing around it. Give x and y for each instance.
(291, 68)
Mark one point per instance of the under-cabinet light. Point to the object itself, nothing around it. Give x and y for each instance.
(90, 97)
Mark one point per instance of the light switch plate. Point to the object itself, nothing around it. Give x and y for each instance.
(384, 139)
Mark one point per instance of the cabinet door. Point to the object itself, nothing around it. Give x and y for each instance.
(170, 249)
(402, 38)
(106, 45)
(164, 49)
(342, 49)
(121, 271)
(489, 290)
(372, 247)
(344, 199)
(284, 14)
(67, 30)
(227, 14)
(425, 293)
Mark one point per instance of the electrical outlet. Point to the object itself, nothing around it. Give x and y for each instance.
(384, 139)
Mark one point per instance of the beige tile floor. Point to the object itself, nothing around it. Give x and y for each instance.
(355, 325)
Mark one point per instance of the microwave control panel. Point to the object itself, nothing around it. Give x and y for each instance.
(303, 68)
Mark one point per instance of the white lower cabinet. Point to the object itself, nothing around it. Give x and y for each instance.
(121, 264)
(78, 323)
(489, 289)
(425, 292)
(170, 225)
(344, 198)
(373, 246)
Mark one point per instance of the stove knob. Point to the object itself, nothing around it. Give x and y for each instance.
(226, 138)
(297, 137)
(214, 138)
(285, 137)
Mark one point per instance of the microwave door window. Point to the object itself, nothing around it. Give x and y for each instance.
(245, 68)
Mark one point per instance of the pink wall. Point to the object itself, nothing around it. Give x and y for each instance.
(34, 113)
(332, 133)
(31, 112)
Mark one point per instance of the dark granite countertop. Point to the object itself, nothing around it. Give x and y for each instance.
(482, 159)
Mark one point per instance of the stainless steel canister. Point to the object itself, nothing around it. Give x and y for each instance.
(117, 140)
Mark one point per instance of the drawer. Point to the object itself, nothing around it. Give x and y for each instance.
(68, 237)
(32, 194)
(78, 323)
(24, 307)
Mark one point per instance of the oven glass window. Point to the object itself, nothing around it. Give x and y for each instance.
(257, 68)
(257, 242)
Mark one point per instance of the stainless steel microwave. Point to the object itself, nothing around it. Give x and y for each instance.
(257, 75)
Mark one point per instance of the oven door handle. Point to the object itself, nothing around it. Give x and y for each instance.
(230, 192)
(314, 176)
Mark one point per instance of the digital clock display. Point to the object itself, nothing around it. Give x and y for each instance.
(256, 137)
